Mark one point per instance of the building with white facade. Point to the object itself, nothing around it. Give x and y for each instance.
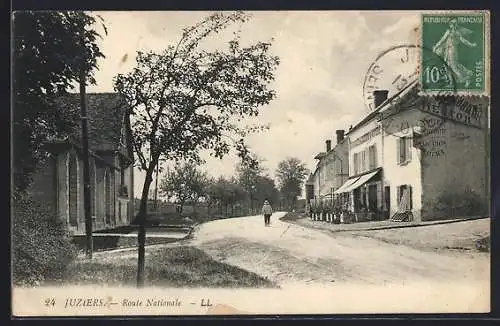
(417, 157)
(332, 170)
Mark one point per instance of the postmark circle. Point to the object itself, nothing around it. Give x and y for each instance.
(404, 77)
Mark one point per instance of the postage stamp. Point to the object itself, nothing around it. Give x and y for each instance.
(460, 40)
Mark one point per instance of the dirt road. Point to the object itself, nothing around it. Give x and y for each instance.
(290, 254)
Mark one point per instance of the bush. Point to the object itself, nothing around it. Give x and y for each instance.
(41, 247)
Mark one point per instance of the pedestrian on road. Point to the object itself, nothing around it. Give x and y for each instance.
(267, 211)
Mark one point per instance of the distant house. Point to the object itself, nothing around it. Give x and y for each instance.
(419, 158)
(59, 184)
(332, 169)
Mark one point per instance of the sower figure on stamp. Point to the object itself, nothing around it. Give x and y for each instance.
(447, 48)
(267, 211)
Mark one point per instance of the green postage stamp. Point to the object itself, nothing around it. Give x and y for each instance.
(454, 52)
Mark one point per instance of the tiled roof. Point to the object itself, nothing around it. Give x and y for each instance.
(105, 118)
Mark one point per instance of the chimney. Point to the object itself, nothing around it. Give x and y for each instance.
(328, 145)
(340, 135)
(379, 96)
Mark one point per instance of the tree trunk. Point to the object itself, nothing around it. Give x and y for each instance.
(141, 238)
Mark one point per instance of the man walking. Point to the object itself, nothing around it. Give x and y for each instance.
(267, 211)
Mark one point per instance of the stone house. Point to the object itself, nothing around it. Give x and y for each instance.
(419, 158)
(59, 184)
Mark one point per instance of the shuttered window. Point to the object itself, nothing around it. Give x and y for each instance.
(355, 163)
(400, 193)
(372, 157)
(363, 161)
(404, 150)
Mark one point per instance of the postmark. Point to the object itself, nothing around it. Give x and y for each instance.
(459, 40)
(396, 70)
(392, 70)
(425, 126)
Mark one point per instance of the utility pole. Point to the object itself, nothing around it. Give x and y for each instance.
(86, 166)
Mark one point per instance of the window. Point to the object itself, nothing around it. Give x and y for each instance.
(355, 163)
(372, 157)
(408, 200)
(404, 150)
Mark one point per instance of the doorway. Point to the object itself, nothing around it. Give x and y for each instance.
(372, 198)
(387, 201)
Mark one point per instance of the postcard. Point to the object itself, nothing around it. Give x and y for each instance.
(179, 163)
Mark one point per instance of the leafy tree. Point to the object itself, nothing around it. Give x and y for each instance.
(266, 189)
(226, 193)
(187, 99)
(50, 48)
(209, 196)
(248, 177)
(186, 183)
(291, 174)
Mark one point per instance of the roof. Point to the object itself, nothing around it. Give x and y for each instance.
(320, 155)
(105, 113)
(388, 102)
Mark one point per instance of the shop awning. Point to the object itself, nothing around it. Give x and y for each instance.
(346, 185)
(360, 181)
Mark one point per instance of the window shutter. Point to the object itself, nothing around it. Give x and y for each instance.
(408, 148)
(398, 149)
(362, 165)
(411, 196)
(370, 162)
(355, 163)
(372, 157)
(365, 165)
(363, 158)
(399, 195)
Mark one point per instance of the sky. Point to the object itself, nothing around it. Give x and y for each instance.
(319, 82)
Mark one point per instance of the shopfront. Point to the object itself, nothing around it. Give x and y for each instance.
(362, 196)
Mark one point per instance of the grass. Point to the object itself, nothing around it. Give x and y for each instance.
(183, 266)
